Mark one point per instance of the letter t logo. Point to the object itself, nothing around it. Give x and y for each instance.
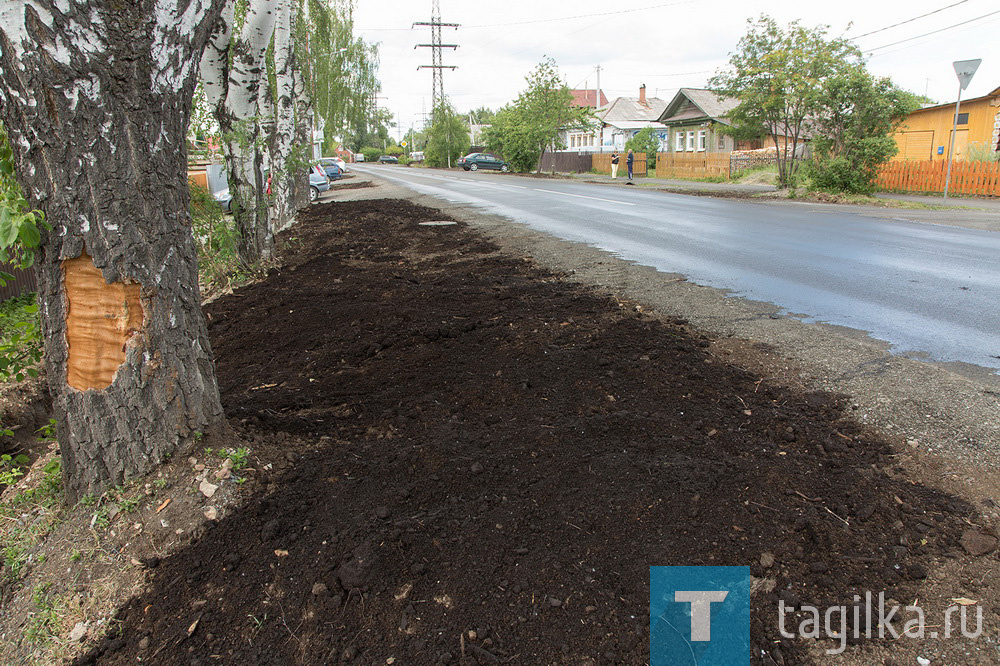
(701, 611)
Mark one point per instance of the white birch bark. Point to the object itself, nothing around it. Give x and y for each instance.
(284, 186)
(238, 76)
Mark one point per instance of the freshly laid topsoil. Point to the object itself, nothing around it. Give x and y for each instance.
(461, 458)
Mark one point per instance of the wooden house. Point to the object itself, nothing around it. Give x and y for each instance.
(925, 134)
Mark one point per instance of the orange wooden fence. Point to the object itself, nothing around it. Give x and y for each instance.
(981, 178)
(670, 165)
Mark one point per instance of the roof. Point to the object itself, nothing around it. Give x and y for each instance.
(634, 124)
(707, 105)
(995, 93)
(586, 97)
(628, 108)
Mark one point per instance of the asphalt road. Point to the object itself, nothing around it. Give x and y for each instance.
(930, 290)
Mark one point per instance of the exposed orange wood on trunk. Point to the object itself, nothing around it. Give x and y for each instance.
(100, 320)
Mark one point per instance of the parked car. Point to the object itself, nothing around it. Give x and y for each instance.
(318, 182)
(388, 159)
(476, 161)
(360, 157)
(333, 170)
(224, 199)
(338, 161)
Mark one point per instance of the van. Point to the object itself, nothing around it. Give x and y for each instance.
(360, 157)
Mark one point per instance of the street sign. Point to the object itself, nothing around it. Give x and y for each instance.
(403, 144)
(965, 70)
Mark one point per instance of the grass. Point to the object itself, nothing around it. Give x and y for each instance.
(27, 517)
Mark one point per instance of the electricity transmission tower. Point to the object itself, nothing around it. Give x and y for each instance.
(436, 46)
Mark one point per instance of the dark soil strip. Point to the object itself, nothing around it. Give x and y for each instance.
(463, 442)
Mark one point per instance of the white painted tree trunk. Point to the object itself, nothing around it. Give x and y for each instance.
(96, 97)
(235, 77)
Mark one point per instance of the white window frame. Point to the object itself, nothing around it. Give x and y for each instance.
(679, 141)
(690, 141)
(722, 140)
(702, 141)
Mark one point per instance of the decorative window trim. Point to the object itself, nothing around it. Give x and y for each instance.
(702, 141)
(690, 141)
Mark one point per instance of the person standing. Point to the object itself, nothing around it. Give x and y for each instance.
(628, 162)
(614, 164)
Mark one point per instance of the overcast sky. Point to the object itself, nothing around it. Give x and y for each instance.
(666, 45)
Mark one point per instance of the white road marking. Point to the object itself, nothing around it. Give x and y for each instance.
(580, 196)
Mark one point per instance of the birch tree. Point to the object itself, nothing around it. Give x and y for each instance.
(96, 97)
(288, 181)
(234, 76)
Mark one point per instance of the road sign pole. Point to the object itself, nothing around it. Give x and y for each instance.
(951, 147)
(964, 70)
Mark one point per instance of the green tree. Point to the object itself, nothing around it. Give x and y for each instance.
(532, 124)
(645, 141)
(448, 137)
(341, 74)
(853, 131)
(778, 75)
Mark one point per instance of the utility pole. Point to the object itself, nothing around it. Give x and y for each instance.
(597, 105)
(436, 46)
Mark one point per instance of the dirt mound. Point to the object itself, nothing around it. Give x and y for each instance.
(477, 462)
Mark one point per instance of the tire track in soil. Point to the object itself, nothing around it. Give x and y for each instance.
(464, 442)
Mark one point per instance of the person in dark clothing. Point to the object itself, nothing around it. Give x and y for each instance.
(614, 164)
(628, 162)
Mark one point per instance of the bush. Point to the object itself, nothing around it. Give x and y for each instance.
(216, 239)
(980, 151)
(371, 154)
(854, 170)
(20, 338)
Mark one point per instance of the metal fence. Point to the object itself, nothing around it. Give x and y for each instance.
(738, 164)
(24, 281)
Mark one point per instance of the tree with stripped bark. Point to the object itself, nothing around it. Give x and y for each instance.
(96, 98)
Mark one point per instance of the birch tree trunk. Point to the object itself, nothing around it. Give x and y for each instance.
(235, 75)
(284, 135)
(299, 190)
(96, 97)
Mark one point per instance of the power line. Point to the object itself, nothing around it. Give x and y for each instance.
(896, 25)
(570, 18)
(551, 20)
(903, 48)
(932, 32)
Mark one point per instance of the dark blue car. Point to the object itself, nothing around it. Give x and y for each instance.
(332, 169)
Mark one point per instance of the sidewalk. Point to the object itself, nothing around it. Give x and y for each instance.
(674, 184)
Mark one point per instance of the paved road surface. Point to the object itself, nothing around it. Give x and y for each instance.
(928, 289)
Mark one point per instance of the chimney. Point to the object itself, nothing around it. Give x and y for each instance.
(642, 94)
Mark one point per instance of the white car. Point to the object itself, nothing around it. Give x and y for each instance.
(338, 161)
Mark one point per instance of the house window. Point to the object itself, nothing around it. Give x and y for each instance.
(702, 140)
(963, 119)
(722, 141)
(690, 141)
(679, 142)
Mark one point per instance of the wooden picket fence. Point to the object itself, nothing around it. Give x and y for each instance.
(670, 165)
(978, 178)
